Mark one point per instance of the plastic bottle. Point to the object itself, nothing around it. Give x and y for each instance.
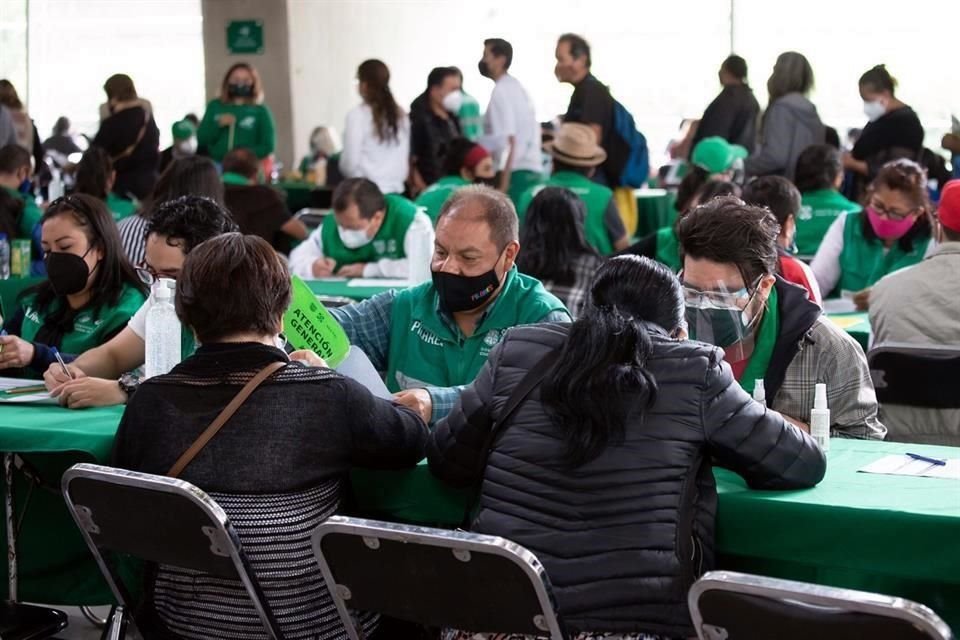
(820, 418)
(759, 393)
(419, 259)
(4, 257)
(163, 331)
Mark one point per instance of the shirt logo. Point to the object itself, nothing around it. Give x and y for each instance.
(380, 246)
(806, 213)
(491, 340)
(248, 122)
(424, 335)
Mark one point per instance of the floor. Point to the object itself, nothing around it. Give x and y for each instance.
(82, 629)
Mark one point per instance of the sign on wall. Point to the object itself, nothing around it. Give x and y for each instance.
(245, 36)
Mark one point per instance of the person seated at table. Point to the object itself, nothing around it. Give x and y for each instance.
(194, 176)
(15, 171)
(819, 176)
(466, 163)
(555, 247)
(893, 232)
(257, 208)
(99, 375)
(369, 235)
(309, 424)
(778, 194)
(605, 472)
(95, 177)
(662, 245)
(433, 338)
(90, 293)
(767, 327)
(921, 305)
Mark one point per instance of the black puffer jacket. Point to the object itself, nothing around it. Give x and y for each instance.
(623, 536)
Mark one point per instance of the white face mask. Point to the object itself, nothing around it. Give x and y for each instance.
(187, 147)
(874, 109)
(353, 238)
(453, 101)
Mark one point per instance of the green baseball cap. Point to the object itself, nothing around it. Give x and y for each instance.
(183, 130)
(716, 155)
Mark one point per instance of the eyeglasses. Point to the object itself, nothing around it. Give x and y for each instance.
(148, 275)
(698, 298)
(890, 214)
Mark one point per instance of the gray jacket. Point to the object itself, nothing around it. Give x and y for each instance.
(789, 126)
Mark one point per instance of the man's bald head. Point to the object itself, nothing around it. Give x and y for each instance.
(480, 202)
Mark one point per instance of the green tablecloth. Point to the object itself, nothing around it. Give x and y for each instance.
(856, 324)
(10, 289)
(342, 289)
(654, 210)
(890, 534)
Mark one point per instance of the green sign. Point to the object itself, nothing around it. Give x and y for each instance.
(308, 325)
(245, 36)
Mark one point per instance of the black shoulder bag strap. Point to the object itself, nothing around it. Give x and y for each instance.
(530, 381)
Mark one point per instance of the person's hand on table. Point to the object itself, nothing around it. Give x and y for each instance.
(417, 399)
(15, 352)
(352, 270)
(226, 119)
(89, 392)
(861, 299)
(323, 267)
(308, 357)
(54, 376)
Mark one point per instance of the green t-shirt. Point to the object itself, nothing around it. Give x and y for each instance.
(435, 195)
(91, 328)
(863, 261)
(427, 351)
(31, 214)
(120, 207)
(818, 210)
(388, 243)
(596, 198)
(254, 129)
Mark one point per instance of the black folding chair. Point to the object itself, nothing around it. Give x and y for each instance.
(29, 622)
(312, 217)
(736, 606)
(916, 375)
(159, 520)
(435, 578)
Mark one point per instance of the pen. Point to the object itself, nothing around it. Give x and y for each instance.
(917, 456)
(63, 365)
(3, 333)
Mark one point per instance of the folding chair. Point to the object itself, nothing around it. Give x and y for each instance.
(726, 605)
(312, 217)
(159, 520)
(435, 578)
(915, 375)
(29, 622)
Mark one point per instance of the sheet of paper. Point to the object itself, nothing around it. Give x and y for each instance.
(379, 282)
(330, 279)
(839, 305)
(358, 366)
(41, 397)
(903, 465)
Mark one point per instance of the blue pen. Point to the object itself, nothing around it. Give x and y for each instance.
(917, 456)
(63, 365)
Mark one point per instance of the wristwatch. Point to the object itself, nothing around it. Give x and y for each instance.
(129, 384)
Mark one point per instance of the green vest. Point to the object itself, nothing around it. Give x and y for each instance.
(818, 210)
(90, 328)
(596, 198)
(863, 262)
(119, 207)
(235, 179)
(435, 195)
(388, 243)
(668, 248)
(427, 351)
(31, 214)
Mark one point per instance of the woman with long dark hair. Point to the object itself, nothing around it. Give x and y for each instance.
(555, 248)
(95, 177)
(604, 469)
(237, 118)
(376, 139)
(90, 293)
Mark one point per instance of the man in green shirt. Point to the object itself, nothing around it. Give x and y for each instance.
(14, 171)
(818, 176)
(467, 163)
(431, 340)
(576, 156)
(369, 235)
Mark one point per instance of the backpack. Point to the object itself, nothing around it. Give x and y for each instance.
(628, 159)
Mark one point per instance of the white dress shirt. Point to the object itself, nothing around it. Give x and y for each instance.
(364, 155)
(511, 113)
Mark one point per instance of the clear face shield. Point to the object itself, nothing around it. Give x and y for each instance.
(724, 318)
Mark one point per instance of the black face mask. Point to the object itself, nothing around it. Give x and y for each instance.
(67, 272)
(463, 293)
(484, 69)
(490, 182)
(239, 90)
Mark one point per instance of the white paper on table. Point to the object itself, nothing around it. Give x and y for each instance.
(903, 465)
(331, 279)
(40, 397)
(378, 282)
(358, 366)
(839, 305)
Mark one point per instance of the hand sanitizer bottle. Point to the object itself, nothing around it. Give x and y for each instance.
(820, 419)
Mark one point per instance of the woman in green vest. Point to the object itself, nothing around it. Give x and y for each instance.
(238, 118)
(467, 163)
(818, 177)
(891, 233)
(90, 293)
(95, 177)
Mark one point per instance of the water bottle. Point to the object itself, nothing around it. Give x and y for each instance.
(4, 257)
(163, 331)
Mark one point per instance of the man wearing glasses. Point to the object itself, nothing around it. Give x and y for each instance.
(768, 328)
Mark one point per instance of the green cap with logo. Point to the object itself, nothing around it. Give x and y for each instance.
(183, 130)
(716, 155)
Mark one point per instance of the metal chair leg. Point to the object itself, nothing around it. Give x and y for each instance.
(93, 618)
(116, 624)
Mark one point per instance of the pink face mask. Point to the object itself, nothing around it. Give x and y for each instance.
(886, 228)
